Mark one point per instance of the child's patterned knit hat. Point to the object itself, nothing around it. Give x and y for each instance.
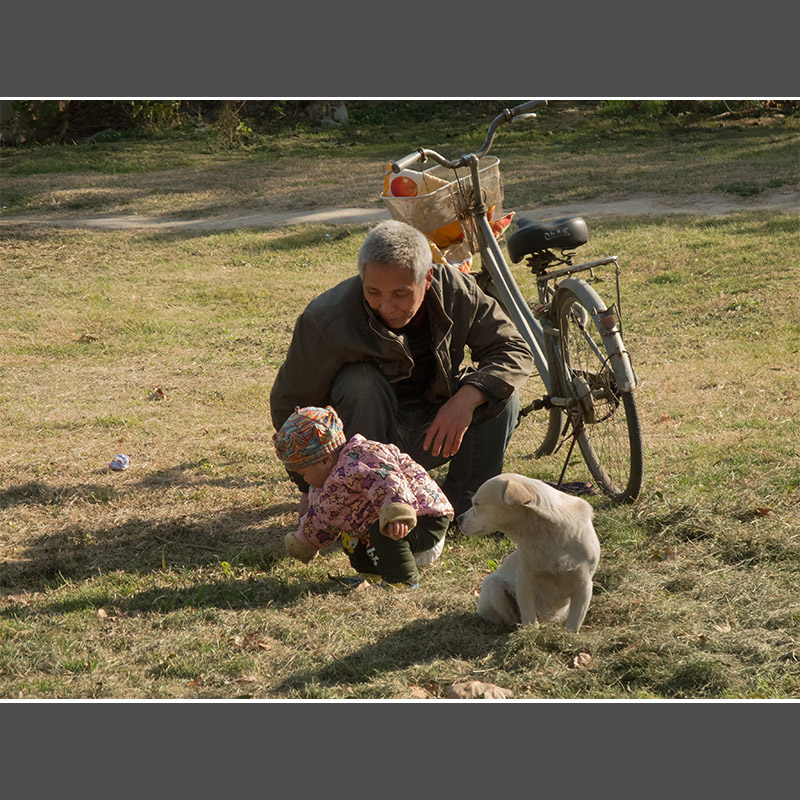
(308, 435)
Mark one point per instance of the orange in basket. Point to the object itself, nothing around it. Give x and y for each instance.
(446, 235)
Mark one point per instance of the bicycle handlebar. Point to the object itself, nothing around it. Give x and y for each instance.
(407, 161)
(506, 115)
(524, 108)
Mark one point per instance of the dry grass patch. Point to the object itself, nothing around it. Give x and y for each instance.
(569, 153)
(696, 590)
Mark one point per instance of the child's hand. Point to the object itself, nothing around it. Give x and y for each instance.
(396, 530)
(297, 549)
(396, 520)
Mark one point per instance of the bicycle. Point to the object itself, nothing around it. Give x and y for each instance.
(575, 337)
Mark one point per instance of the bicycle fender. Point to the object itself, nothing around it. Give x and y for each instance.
(606, 324)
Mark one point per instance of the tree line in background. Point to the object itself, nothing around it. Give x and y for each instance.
(233, 122)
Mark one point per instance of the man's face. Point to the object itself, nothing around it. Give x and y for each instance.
(392, 292)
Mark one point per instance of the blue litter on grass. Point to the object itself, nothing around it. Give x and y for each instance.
(120, 462)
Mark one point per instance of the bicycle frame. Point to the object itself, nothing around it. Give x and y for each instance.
(531, 328)
(576, 340)
(495, 264)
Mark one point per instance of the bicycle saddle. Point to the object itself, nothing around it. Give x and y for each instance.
(534, 237)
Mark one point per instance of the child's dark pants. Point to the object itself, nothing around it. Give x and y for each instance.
(393, 559)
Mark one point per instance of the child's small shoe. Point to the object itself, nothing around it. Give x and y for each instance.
(358, 579)
(400, 586)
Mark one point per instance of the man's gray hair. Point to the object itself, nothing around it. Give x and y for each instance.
(394, 242)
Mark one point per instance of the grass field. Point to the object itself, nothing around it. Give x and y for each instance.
(169, 580)
(569, 153)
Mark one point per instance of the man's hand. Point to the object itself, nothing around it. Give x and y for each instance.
(450, 424)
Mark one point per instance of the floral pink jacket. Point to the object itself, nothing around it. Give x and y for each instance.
(367, 476)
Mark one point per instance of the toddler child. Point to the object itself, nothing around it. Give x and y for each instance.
(391, 515)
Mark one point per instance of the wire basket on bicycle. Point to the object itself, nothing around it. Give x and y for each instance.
(441, 210)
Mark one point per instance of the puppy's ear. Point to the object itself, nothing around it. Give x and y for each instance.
(516, 494)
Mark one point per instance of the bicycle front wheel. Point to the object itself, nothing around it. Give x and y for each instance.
(605, 419)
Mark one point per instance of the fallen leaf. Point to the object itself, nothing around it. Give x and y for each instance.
(249, 640)
(663, 418)
(418, 693)
(101, 614)
(158, 394)
(253, 639)
(764, 511)
(724, 628)
(477, 690)
(582, 661)
(670, 552)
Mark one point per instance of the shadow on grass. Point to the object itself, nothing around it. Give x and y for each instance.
(226, 592)
(141, 545)
(462, 636)
(41, 493)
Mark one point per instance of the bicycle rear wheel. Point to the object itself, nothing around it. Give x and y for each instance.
(605, 419)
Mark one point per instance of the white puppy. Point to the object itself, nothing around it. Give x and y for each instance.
(549, 576)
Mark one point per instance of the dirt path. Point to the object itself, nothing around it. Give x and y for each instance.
(787, 200)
